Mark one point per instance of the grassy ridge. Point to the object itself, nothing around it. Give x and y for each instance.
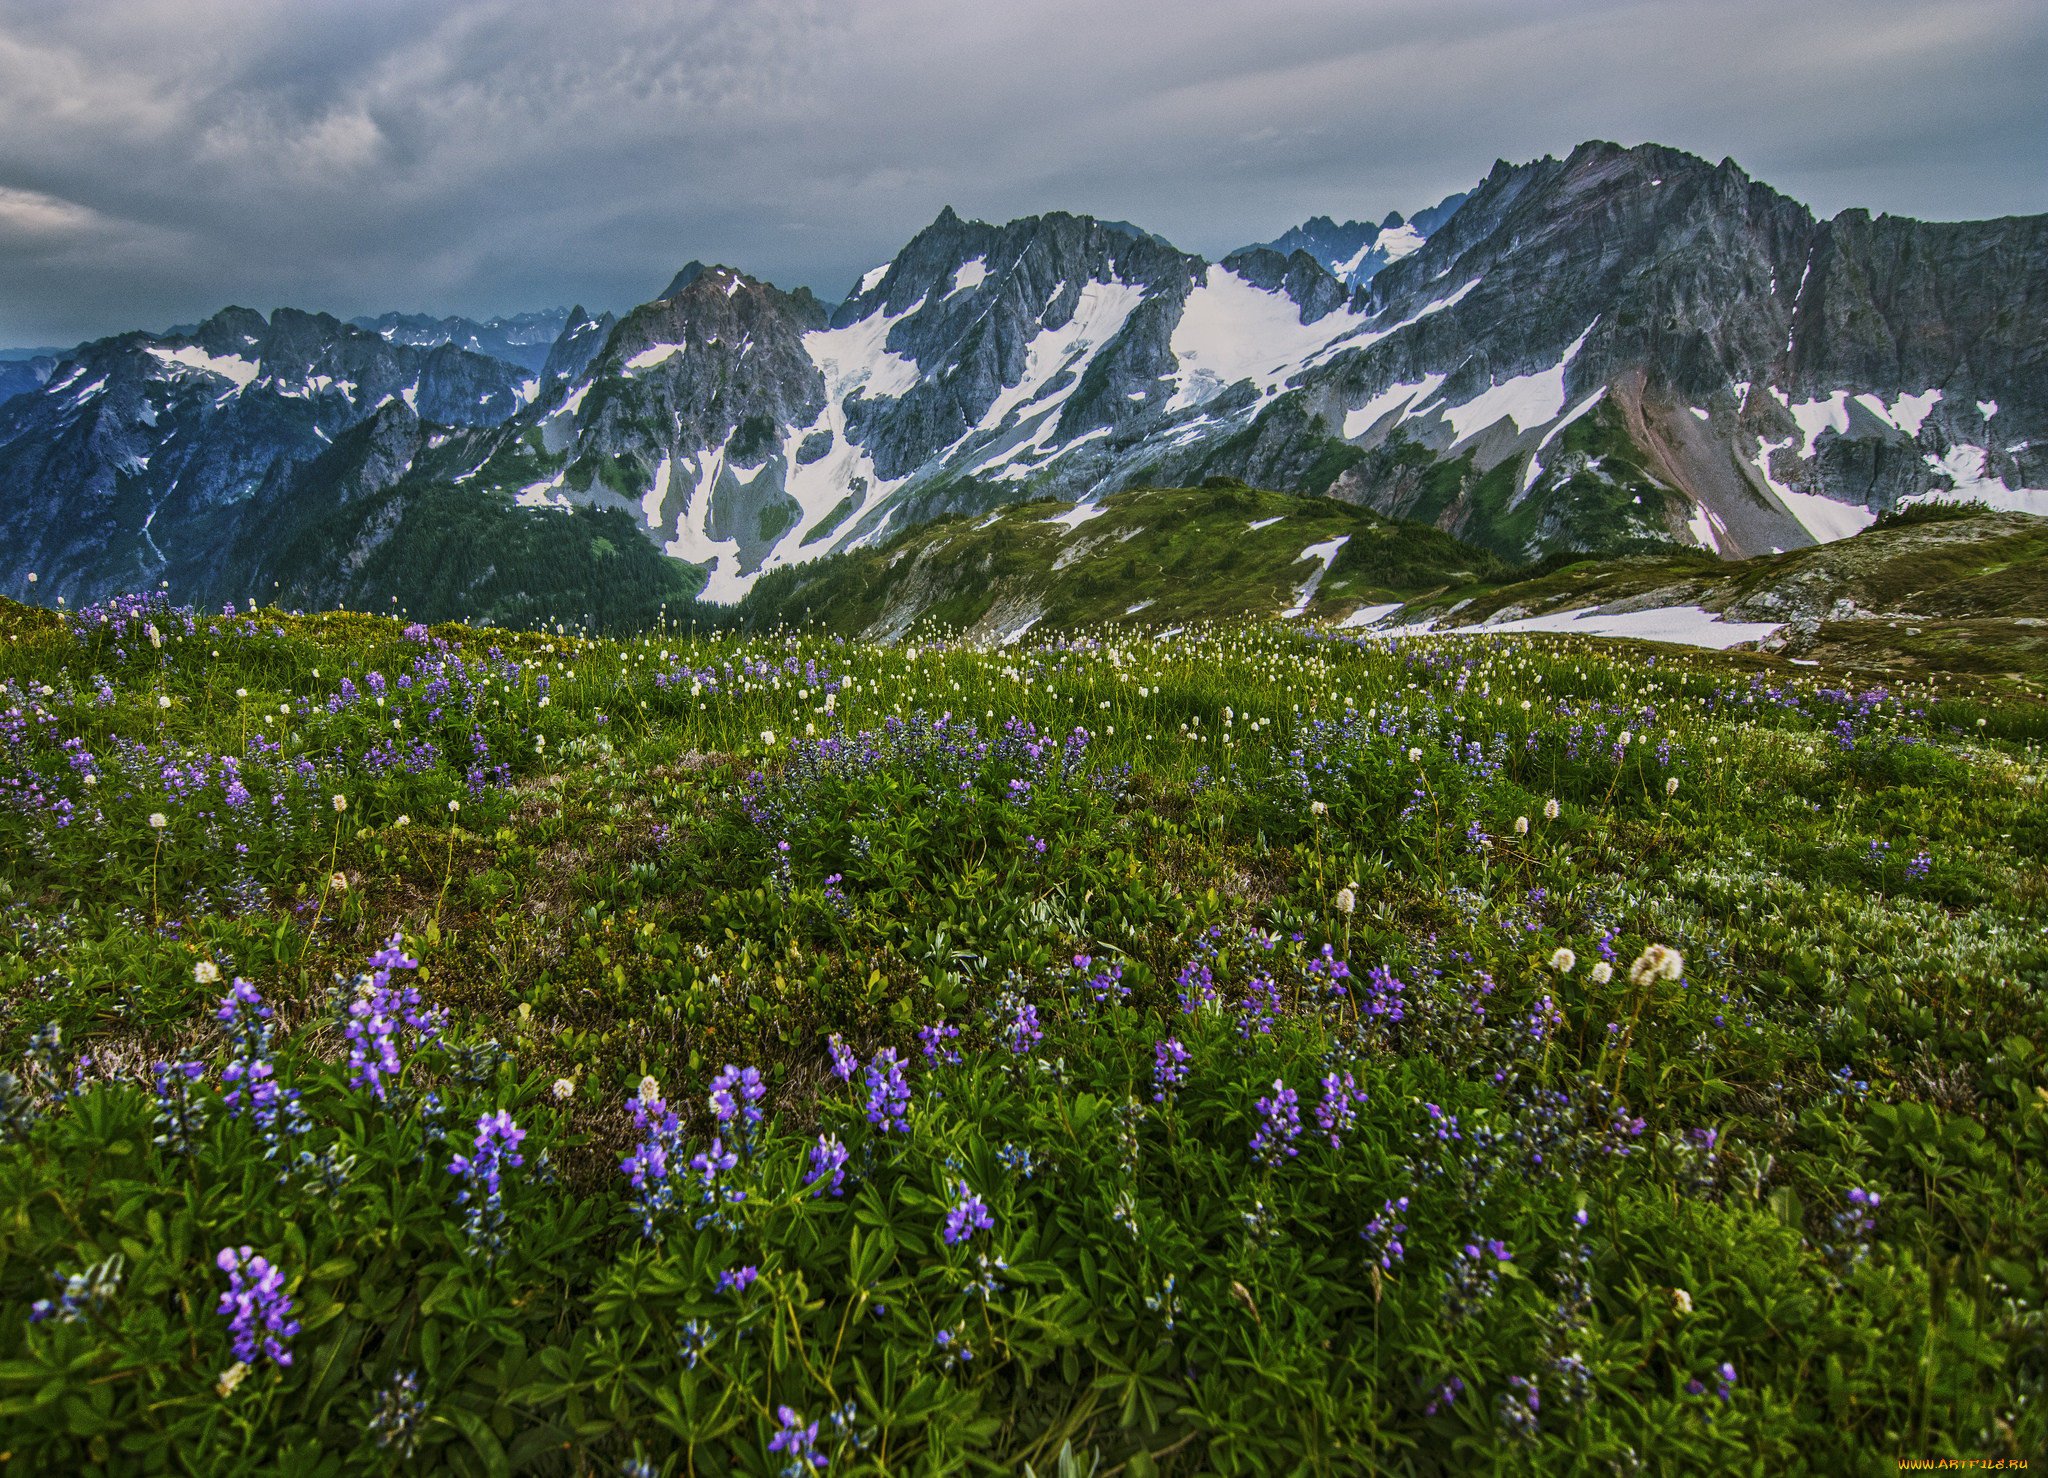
(1280, 1134)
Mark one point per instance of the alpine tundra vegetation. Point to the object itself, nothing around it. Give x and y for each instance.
(1218, 1047)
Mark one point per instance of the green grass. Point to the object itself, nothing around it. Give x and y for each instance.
(652, 879)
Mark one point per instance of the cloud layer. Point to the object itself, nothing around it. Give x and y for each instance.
(160, 158)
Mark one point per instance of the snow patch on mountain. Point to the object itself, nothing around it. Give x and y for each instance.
(1527, 400)
(229, 366)
(1234, 330)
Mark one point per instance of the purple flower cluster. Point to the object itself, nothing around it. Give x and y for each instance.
(736, 1094)
(1474, 1277)
(1279, 1126)
(1169, 1069)
(735, 1280)
(1382, 1234)
(250, 1072)
(1339, 1109)
(1380, 1000)
(1445, 1396)
(933, 1040)
(965, 1216)
(717, 1193)
(376, 1015)
(1852, 1226)
(844, 1063)
(828, 1157)
(1518, 1407)
(1016, 1020)
(661, 1140)
(259, 1311)
(496, 1149)
(180, 1113)
(797, 1442)
(888, 1104)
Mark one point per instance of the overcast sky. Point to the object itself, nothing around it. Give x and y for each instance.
(162, 158)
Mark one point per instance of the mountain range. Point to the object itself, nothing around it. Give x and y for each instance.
(1627, 350)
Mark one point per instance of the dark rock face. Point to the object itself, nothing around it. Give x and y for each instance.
(25, 376)
(135, 461)
(582, 339)
(1356, 250)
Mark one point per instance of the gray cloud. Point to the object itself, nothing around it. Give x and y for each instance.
(160, 158)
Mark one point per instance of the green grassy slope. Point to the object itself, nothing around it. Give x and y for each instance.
(1163, 555)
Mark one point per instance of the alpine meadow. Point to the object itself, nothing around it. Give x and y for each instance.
(1242, 1048)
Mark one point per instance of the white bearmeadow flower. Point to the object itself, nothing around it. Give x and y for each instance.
(1602, 972)
(768, 737)
(1318, 808)
(241, 692)
(565, 1089)
(1658, 962)
(1626, 738)
(1414, 756)
(1521, 826)
(163, 702)
(339, 882)
(403, 821)
(341, 803)
(1346, 900)
(1671, 786)
(1550, 809)
(453, 807)
(158, 820)
(649, 1089)
(1562, 961)
(206, 973)
(233, 1376)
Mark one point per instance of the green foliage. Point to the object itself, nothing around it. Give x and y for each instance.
(1932, 510)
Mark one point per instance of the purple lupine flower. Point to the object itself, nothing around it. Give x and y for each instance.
(496, 1149)
(798, 1442)
(1381, 996)
(966, 1214)
(1445, 1396)
(1518, 1407)
(737, 1093)
(1339, 1109)
(1169, 1068)
(1018, 1022)
(888, 1092)
(1279, 1126)
(735, 1280)
(250, 1069)
(1382, 1234)
(828, 1157)
(260, 1312)
(844, 1063)
(710, 1165)
(933, 1039)
(648, 1164)
(377, 1014)
(179, 1115)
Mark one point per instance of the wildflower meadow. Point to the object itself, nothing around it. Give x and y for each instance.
(1236, 1050)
